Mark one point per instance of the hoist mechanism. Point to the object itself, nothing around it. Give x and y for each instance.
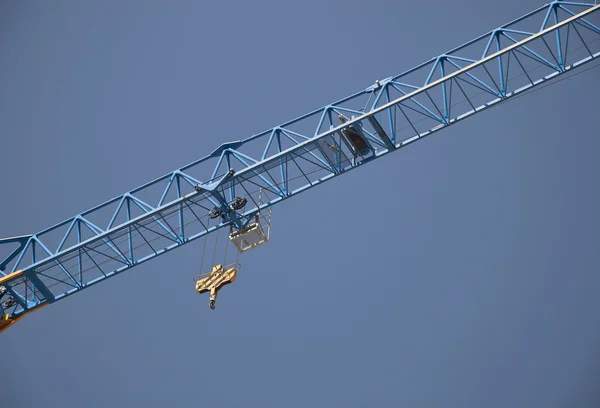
(252, 235)
(354, 139)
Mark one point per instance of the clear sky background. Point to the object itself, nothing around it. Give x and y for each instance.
(461, 272)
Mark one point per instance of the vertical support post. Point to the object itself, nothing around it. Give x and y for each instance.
(392, 130)
(32, 262)
(129, 237)
(500, 68)
(79, 258)
(561, 63)
(178, 186)
(282, 165)
(326, 113)
(444, 95)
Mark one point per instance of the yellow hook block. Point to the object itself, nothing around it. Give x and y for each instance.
(215, 280)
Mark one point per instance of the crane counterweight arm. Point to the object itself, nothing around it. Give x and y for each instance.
(290, 158)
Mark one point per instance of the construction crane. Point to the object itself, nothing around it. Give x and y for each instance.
(236, 184)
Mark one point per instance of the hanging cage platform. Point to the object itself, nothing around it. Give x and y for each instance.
(249, 237)
(255, 234)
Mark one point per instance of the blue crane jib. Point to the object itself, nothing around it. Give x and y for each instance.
(222, 188)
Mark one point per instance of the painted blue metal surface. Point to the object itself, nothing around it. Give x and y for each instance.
(297, 155)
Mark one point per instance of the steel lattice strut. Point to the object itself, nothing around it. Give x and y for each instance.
(288, 159)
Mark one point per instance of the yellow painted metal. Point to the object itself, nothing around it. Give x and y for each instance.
(10, 277)
(215, 280)
(6, 321)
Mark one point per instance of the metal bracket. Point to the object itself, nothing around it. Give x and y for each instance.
(22, 240)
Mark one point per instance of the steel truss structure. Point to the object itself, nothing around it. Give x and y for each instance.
(199, 198)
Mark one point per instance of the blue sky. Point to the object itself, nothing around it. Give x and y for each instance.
(460, 272)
